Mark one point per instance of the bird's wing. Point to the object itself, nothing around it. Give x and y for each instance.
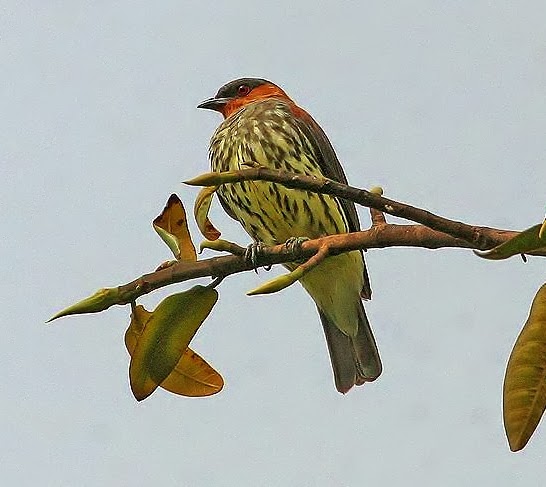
(327, 161)
(226, 207)
(331, 168)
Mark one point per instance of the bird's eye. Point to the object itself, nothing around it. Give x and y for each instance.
(243, 90)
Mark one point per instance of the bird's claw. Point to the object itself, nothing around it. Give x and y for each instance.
(293, 244)
(252, 254)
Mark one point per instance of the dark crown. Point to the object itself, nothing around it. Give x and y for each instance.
(230, 90)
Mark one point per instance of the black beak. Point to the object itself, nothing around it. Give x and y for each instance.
(215, 104)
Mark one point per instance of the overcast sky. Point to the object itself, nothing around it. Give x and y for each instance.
(443, 104)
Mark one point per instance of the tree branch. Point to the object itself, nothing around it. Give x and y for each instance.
(481, 238)
(434, 232)
(380, 236)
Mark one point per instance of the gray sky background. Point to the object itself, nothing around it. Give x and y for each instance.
(443, 104)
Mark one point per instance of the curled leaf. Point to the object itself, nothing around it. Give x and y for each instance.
(524, 391)
(164, 335)
(192, 376)
(525, 242)
(172, 226)
(201, 209)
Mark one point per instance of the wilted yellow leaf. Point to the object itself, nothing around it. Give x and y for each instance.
(525, 242)
(139, 318)
(163, 336)
(172, 226)
(192, 375)
(201, 210)
(524, 392)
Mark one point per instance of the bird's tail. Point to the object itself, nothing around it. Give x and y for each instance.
(355, 359)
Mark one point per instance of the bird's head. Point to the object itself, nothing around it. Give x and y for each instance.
(236, 94)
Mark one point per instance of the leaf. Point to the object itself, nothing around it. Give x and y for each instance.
(216, 178)
(278, 283)
(524, 392)
(542, 231)
(221, 245)
(172, 226)
(139, 318)
(101, 300)
(523, 243)
(165, 334)
(201, 210)
(192, 375)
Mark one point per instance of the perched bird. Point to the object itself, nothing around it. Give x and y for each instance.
(264, 126)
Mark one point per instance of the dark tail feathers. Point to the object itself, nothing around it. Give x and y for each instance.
(355, 360)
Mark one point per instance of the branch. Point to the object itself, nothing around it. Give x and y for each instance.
(481, 238)
(220, 267)
(434, 232)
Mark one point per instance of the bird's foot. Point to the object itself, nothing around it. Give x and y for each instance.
(253, 252)
(293, 244)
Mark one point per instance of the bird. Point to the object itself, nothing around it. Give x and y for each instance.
(263, 126)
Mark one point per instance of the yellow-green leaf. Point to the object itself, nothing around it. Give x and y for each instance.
(523, 243)
(278, 283)
(201, 211)
(192, 375)
(101, 300)
(221, 245)
(172, 226)
(524, 392)
(216, 178)
(166, 334)
(542, 231)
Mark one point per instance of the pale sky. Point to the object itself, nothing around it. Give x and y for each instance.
(443, 104)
